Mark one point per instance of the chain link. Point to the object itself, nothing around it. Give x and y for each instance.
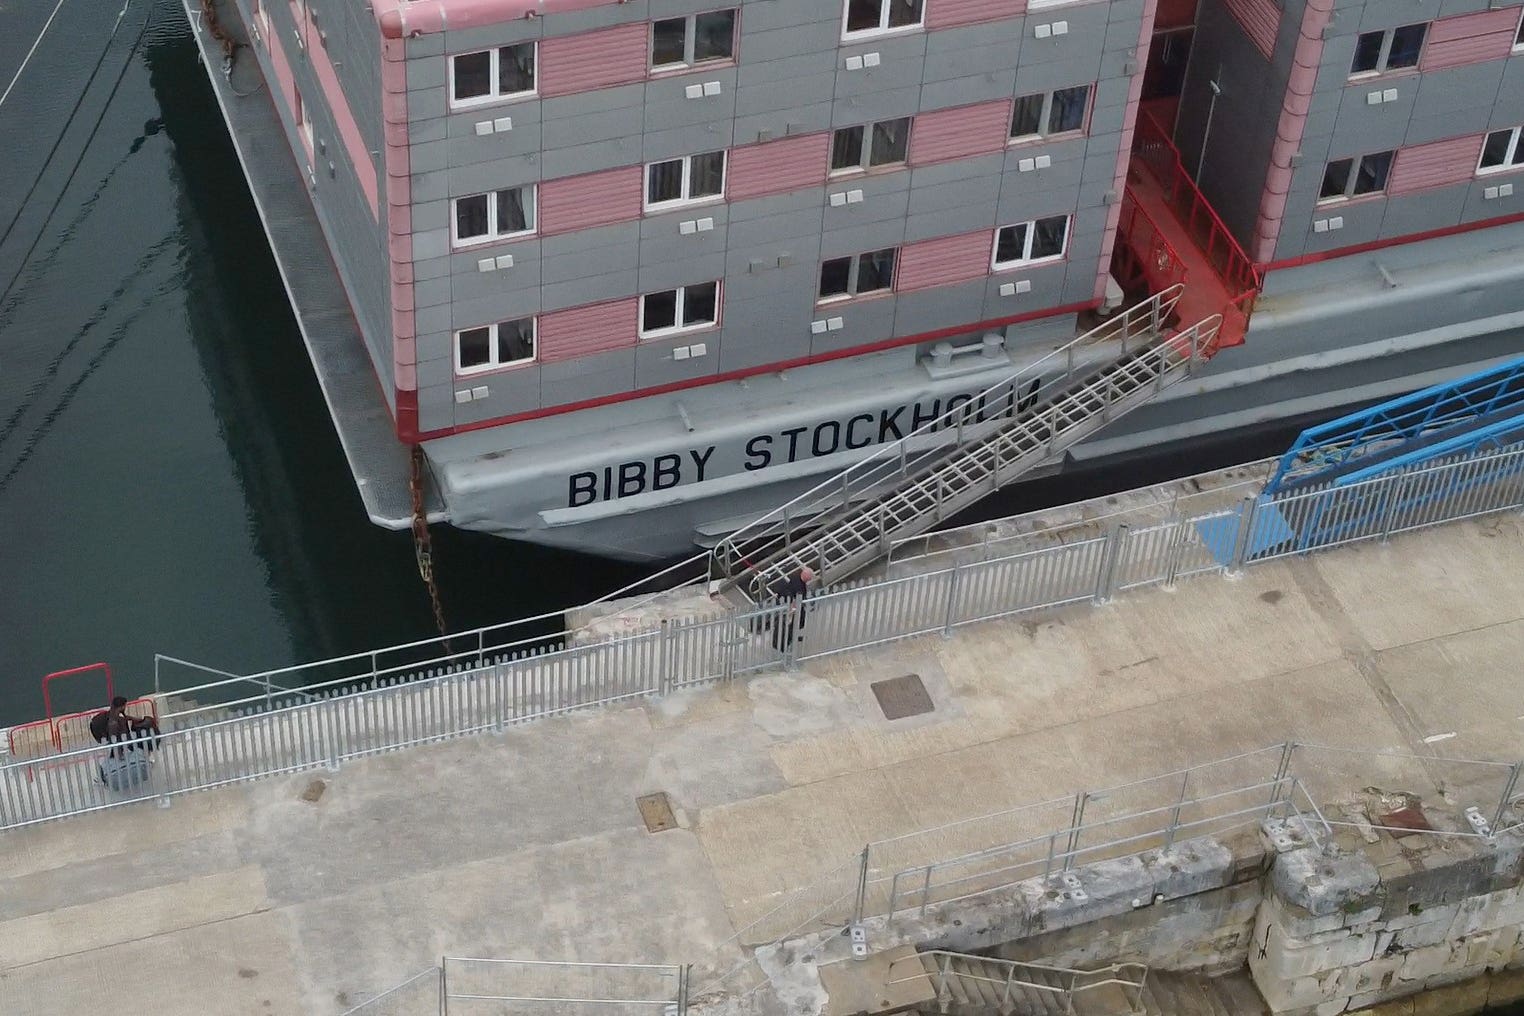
(423, 547)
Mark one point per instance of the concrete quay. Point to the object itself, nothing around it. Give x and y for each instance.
(311, 893)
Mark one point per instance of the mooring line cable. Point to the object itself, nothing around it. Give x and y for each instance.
(84, 150)
(29, 53)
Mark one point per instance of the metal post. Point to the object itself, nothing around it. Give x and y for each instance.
(1246, 514)
(1076, 822)
(1394, 497)
(156, 691)
(444, 989)
(862, 886)
(683, 974)
(1047, 868)
(1111, 556)
(1175, 552)
(1287, 750)
(952, 602)
(1174, 816)
(728, 671)
(662, 677)
(1508, 789)
(938, 488)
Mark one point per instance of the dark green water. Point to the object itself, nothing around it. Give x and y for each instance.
(169, 478)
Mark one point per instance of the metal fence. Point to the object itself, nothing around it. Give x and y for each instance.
(469, 986)
(281, 730)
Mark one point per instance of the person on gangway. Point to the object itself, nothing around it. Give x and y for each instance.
(793, 590)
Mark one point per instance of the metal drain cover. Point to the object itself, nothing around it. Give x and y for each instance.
(656, 811)
(900, 697)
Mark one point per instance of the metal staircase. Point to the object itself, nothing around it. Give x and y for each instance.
(964, 983)
(972, 450)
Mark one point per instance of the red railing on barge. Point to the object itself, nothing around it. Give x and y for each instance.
(1156, 153)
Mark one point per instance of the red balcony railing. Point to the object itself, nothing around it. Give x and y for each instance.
(1157, 153)
(1149, 255)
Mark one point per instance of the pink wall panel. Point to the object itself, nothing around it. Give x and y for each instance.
(1470, 38)
(777, 167)
(959, 133)
(1452, 160)
(338, 105)
(945, 260)
(950, 13)
(598, 328)
(1260, 20)
(580, 63)
(593, 199)
(283, 77)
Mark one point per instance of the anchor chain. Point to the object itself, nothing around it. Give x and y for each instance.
(423, 547)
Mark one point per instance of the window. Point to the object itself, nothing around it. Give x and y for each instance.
(493, 346)
(686, 180)
(871, 16)
(261, 22)
(1028, 242)
(499, 215)
(503, 73)
(1350, 178)
(1518, 36)
(1501, 151)
(859, 275)
(870, 146)
(303, 123)
(1047, 113)
(685, 309)
(696, 39)
(1393, 49)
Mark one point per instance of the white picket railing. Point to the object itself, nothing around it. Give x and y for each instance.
(284, 730)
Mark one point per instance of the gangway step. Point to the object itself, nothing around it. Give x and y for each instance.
(861, 529)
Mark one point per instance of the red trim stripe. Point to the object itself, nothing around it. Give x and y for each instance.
(735, 375)
(1363, 248)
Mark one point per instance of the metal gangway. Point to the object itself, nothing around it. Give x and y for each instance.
(967, 982)
(1474, 414)
(1030, 418)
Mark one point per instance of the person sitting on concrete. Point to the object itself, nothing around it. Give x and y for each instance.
(116, 725)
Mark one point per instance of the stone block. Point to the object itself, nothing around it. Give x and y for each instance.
(1324, 885)
(1505, 987)
(1421, 933)
(1485, 913)
(1421, 964)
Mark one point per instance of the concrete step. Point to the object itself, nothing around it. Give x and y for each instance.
(1171, 994)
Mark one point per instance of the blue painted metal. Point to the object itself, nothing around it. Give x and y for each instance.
(1492, 436)
(1456, 416)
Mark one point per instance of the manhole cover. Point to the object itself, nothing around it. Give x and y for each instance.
(656, 811)
(900, 697)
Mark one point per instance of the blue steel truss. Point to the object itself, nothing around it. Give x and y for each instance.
(1447, 419)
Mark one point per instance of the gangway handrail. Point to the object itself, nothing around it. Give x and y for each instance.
(895, 458)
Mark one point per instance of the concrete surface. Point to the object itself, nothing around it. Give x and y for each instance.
(251, 899)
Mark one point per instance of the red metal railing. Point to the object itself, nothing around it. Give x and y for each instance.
(1157, 153)
(1150, 254)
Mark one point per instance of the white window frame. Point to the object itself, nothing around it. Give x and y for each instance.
(492, 347)
(685, 201)
(1026, 259)
(682, 295)
(854, 263)
(1354, 175)
(1515, 144)
(866, 151)
(1518, 35)
(262, 22)
(1387, 35)
(492, 235)
(494, 96)
(1047, 112)
(883, 20)
(304, 124)
(690, 40)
